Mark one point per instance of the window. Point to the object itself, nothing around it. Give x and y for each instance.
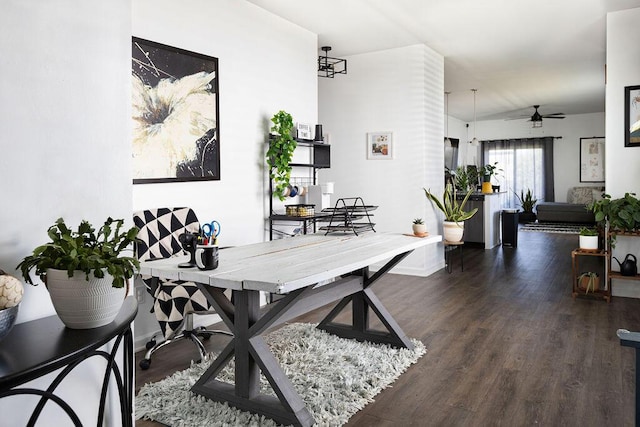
(525, 164)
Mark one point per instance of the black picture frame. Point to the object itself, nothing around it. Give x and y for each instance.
(175, 114)
(632, 116)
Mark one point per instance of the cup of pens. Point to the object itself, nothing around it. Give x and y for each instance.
(207, 257)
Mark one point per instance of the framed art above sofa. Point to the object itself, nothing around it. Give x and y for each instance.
(592, 159)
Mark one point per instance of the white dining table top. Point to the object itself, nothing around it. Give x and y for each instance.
(281, 266)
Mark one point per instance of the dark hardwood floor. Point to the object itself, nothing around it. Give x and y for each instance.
(507, 345)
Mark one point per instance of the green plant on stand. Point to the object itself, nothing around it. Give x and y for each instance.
(588, 231)
(589, 282)
(449, 205)
(622, 214)
(281, 148)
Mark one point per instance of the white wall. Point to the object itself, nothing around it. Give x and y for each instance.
(65, 92)
(397, 90)
(266, 64)
(622, 163)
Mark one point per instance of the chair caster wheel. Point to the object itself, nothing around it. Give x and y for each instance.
(144, 364)
(150, 344)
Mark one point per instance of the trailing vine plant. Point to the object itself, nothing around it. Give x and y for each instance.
(281, 148)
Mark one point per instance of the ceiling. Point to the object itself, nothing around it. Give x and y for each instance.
(516, 53)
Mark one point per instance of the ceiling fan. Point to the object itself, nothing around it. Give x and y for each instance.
(536, 117)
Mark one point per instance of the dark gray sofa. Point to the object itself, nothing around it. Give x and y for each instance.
(575, 210)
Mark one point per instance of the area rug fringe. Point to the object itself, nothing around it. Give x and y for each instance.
(336, 378)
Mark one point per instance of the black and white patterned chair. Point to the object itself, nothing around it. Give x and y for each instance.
(174, 302)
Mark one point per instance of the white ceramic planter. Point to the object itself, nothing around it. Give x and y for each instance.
(453, 231)
(589, 243)
(83, 304)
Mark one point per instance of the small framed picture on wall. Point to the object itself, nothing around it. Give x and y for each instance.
(380, 145)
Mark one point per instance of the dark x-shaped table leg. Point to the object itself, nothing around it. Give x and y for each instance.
(252, 354)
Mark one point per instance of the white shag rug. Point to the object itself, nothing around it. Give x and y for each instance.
(335, 377)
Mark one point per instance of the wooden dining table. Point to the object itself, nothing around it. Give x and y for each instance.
(309, 272)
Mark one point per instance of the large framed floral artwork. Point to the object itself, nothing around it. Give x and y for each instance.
(176, 127)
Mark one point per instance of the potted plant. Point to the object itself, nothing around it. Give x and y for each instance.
(84, 271)
(454, 213)
(527, 202)
(461, 179)
(622, 214)
(588, 282)
(589, 239)
(488, 171)
(281, 148)
(419, 227)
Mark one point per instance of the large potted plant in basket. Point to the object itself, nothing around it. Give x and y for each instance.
(454, 213)
(84, 271)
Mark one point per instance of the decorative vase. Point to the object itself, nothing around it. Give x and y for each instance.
(453, 231)
(419, 230)
(83, 304)
(487, 187)
(589, 243)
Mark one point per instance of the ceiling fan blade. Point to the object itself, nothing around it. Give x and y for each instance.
(553, 117)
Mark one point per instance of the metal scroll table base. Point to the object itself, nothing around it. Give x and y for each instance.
(252, 354)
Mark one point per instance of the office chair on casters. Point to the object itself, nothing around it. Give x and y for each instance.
(174, 301)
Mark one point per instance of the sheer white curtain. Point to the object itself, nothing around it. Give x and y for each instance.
(524, 164)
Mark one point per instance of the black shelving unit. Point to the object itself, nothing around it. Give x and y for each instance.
(349, 215)
(320, 159)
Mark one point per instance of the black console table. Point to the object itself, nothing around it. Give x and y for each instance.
(39, 347)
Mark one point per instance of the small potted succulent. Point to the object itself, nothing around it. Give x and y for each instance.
(419, 227)
(84, 271)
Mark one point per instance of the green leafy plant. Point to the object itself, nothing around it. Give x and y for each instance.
(527, 201)
(461, 179)
(588, 231)
(449, 205)
(281, 148)
(622, 213)
(418, 221)
(490, 170)
(84, 250)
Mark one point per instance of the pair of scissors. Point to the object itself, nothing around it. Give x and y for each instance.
(211, 231)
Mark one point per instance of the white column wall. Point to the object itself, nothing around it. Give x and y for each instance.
(401, 91)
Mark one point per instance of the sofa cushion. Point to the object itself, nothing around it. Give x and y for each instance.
(583, 195)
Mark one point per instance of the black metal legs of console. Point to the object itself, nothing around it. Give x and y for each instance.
(39, 347)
